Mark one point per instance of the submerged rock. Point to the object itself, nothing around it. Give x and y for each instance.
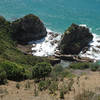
(28, 28)
(75, 39)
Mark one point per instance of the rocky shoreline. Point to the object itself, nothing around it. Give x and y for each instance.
(55, 46)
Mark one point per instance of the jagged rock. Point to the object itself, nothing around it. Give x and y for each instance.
(53, 60)
(75, 39)
(74, 58)
(28, 28)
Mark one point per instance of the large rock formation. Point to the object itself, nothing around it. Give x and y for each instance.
(75, 39)
(28, 28)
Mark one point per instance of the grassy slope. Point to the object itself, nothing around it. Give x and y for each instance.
(8, 50)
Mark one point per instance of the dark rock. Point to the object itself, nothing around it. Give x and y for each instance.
(98, 46)
(74, 58)
(28, 28)
(75, 39)
(54, 60)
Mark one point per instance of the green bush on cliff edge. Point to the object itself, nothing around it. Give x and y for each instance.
(14, 62)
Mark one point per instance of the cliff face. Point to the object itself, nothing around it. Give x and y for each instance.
(75, 39)
(28, 28)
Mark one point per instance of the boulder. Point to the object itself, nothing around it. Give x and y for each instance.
(28, 28)
(75, 39)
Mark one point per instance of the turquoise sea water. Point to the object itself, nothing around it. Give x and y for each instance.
(56, 14)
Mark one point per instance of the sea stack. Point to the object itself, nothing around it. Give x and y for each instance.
(28, 28)
(75, 39)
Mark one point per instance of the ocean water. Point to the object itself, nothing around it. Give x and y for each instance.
(57, 15)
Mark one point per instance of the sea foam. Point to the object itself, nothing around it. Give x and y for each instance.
(94, 51)
(46, 46)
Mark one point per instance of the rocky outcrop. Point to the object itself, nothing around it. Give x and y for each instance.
(75, 39)
(28, 28)
(54, 60)
(74, 58)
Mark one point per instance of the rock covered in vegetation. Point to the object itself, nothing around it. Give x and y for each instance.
(75, 39)
(28, 28)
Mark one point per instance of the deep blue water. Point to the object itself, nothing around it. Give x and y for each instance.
(56, 14)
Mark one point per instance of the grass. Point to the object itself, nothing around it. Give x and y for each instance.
(85, 65)
(87, 95)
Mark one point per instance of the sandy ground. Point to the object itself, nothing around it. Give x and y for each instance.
(90, 81)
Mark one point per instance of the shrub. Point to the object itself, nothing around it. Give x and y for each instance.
(80, 65)
(56, 71)
(61, 95)
(43, 85)
(3, 77)
(67, 73)
(53, 87)
(18, 86)
(13, 71)
(41, 70)
(95, 67)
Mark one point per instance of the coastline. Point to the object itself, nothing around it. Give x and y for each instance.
(43, 46)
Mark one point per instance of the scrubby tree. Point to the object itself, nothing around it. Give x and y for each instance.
(13, 71)
(3, 77)
(41, 70)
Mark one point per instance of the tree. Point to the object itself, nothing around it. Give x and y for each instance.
(41, 70)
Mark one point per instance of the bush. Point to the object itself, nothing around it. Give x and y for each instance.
(53, 87)
(43, 85)
(18, 86)
(80, 65)
(3, 77)
(95, 67)
(41, 70)
(61, 95)
(58, 69)
(56, 72)
(13, 71)
(67, 73)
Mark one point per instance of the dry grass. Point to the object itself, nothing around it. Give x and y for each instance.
(87, 85)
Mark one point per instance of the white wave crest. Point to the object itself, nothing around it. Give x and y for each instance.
(94, 50)
(46, 46)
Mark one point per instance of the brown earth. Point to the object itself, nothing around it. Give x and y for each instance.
(87, 80)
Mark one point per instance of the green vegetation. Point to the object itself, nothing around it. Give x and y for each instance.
(59, 72)
(14, 71)
(16, 65)
(18, 86)
(3, 77)
(80, 65)
(43, 85)
(91, 66)
(53, 87)
(61, 95)
(41, 70)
